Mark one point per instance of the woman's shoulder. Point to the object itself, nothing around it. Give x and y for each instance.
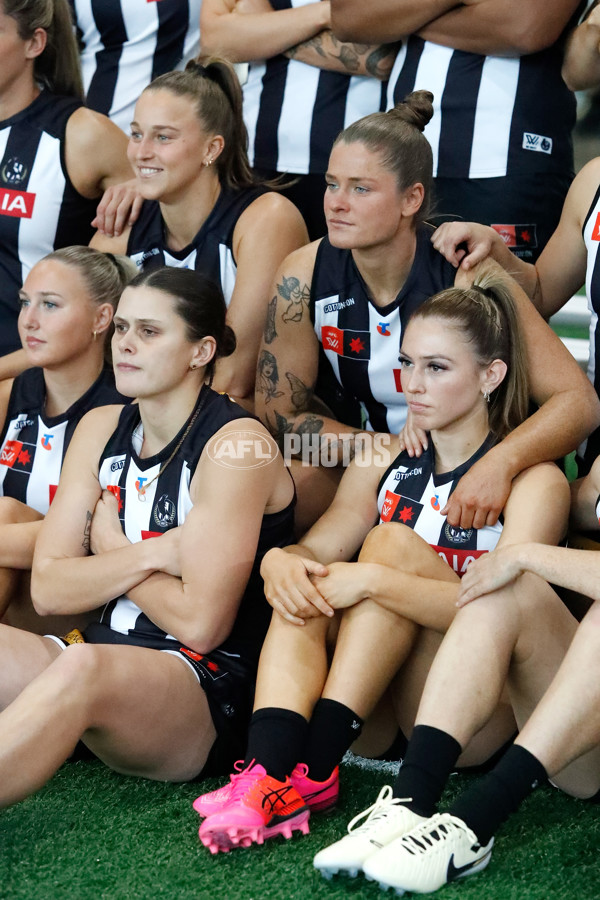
(545, 479)
(270, 210)
(101, 421)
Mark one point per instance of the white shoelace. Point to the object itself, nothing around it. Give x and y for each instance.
(375, 814)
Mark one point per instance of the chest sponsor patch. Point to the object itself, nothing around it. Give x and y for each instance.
(18, 204)
(518, 237)
(596, 229)
(10, 453)
(397, 508)
(352, 344)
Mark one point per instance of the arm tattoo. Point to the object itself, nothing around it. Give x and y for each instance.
(297, 296)
(270, 333)
(279, 428)
(349, 58)
(381, 55)
(301, 394)
(87, 528)
(311, 425)
(267, 376)
(315, 43)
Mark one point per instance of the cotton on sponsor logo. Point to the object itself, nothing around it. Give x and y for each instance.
(16, 203)
(10, 452)
(398, 380)
(458, 559)
(596, 229)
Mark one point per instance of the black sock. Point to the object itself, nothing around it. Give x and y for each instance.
(492, 799)
(430, 757)
(276, 739)
(332, 729)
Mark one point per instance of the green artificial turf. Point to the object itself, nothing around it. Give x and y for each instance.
(93, 834)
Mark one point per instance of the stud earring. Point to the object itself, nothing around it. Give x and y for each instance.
(486, 396)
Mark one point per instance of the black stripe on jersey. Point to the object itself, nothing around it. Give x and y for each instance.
(271, 102)
(356, 371)
(408, 74)
(113, 34)
(460, 98)
(170, 39)
(328, 116)
(551, 115)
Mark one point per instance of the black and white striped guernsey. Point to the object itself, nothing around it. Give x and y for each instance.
(362, 341)
(294, 111)
(591, 238)
(33, 444)
(493, 116)
(125, 44)
(40, 210)
(166, 505)
(211, 251)
(410, 492)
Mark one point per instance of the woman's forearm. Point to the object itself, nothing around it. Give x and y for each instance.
(426, 601)
(80, 584)
(256, 36)
(577, 570)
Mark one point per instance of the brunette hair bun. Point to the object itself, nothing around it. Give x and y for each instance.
(416, 109)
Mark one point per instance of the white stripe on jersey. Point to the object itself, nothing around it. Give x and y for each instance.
(135, 65)
(297, 107)
(37, 233)
(228, 270)
(227, 267)
(431, 76)
(384, 359)
(252, 88)
(49, 454)
(493, 116)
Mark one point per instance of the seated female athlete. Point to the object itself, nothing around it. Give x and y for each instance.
(203, 209)
(518, 634)
(67, 306)
(163, 512)
(339, 308)
(568, 261)
(57, 156)
(465, 381)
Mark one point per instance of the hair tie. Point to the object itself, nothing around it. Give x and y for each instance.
(487, 294)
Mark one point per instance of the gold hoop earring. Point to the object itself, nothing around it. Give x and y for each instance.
(95, 335)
